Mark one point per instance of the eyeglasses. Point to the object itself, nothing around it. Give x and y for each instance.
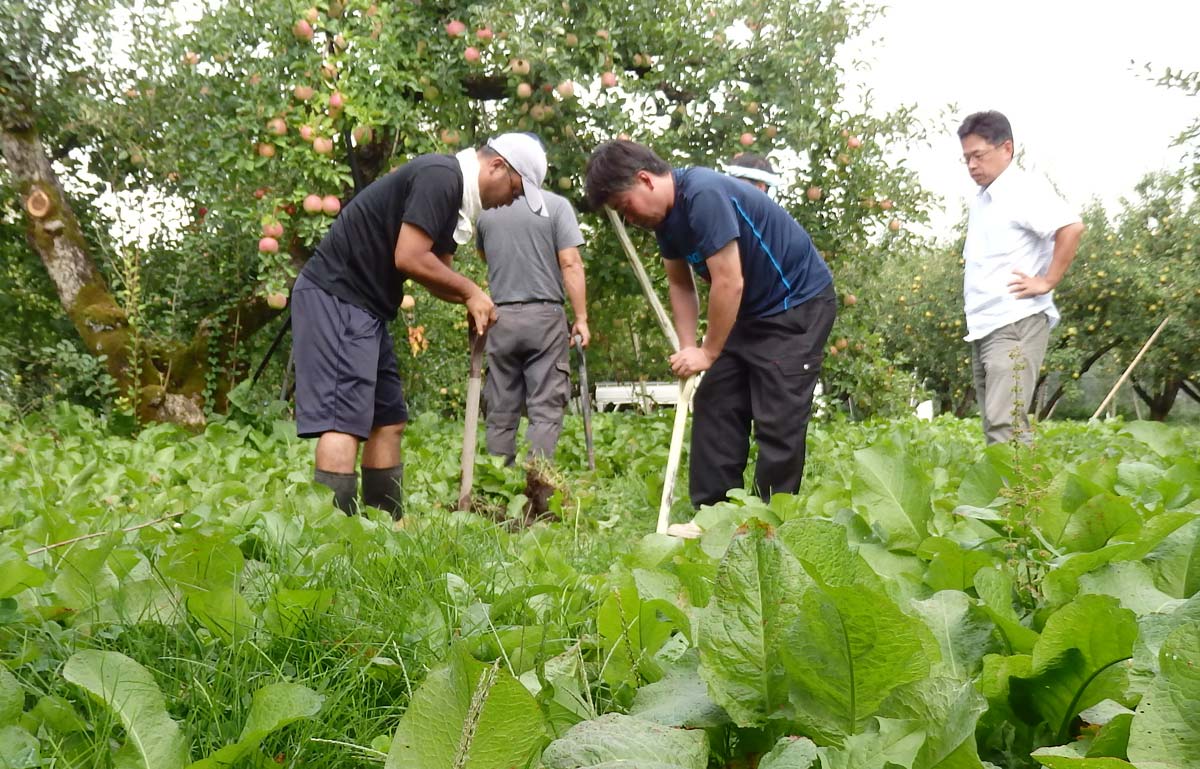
(516, 183)
(977, 156)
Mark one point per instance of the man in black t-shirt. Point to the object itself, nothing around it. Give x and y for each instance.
(771, 305)
(404, 226)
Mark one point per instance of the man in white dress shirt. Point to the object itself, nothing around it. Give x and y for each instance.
(1021, 238)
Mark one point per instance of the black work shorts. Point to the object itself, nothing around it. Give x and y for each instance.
(346, 375)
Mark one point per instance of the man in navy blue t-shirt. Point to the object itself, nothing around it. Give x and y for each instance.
(771, 305)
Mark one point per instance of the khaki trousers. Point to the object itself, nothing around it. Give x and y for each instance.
(1005, 364)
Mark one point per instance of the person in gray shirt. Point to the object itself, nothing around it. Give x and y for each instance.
(533, 265)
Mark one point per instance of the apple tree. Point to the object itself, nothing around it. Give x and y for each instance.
(174, 172)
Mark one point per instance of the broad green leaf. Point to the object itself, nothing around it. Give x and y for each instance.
(1153, 629)
(468, 715)
(981, 484)
(822, 548)
(845, 652)
(951, 567)
(56, 713)
(558, 689)
(895, 744)
(12, 698)
(1163, 440)
(197, 561)
(744, 629)
(1102, 519)
(18, 748)
(1166, 727)
(791, 753)
(1176, 561)
(84, 579)
(18, 575)
(289, 610)
(615, 740)
(995, 589)
(948, 708)
(963, 631)
(722, 522)
(153, 739)
(892, 492)
(1073, 757)
(1077, 661)
(274, 707)
(678, 700)
(1132, 584)
(224, 612)
(631, 633)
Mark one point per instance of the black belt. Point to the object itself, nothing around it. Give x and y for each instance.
(530, 301)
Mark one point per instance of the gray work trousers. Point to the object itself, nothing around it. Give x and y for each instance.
(527, 367)
(1005, 365)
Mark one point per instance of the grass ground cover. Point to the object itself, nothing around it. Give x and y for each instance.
(169, 600)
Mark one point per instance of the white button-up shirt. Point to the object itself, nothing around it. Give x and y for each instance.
(1010, 228)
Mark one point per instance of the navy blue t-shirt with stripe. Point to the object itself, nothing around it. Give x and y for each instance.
(781, 267)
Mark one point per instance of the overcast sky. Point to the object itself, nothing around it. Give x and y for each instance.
(1059, 69)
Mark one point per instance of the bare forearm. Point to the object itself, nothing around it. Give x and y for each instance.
(436, 275)
(685, 312)
(724, 299)
(1066, 244)
(576, 288)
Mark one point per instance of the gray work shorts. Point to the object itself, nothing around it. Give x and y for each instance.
(346, 375)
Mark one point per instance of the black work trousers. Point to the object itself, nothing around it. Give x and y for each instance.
(765, 378)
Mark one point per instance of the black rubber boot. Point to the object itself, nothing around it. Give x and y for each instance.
(345, 489)
(383, 487)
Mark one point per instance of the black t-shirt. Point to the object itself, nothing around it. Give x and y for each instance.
(356, 260)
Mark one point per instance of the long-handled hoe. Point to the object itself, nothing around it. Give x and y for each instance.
(686, 389)
(471, 428)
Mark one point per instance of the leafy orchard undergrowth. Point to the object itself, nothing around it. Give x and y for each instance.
(170, 600)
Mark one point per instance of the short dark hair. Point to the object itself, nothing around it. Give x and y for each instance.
(613, 166)
(991, 126)
(750, 160)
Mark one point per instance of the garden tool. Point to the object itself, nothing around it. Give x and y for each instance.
(585, 400)
(471, 428)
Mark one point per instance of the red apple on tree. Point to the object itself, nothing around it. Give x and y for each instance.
(307, 133)
(456, 28)
(484, 34)
(268, 245)
(311, 15)
(566, 89)
(524, 90)
(266, 150)
(746, 139)
(276, 300)
(340, 43)
(814, 193)
(519, 66)
(450, 136)
(472, 54)
(886, 204)
(322, 145)
(312, 204)
(272, 230)
(302, 30)
(570, 40)
(894, 225)
(363, 134)
(853, 142)
(608, 80)
(336, 101)
(191, 58)
(331, 205)
(303, 92)
(602, 34)
(276, 126)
